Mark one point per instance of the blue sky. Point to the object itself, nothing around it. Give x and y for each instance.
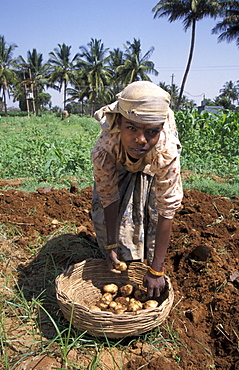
(45, 24)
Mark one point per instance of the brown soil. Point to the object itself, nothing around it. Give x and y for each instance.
(202, 262)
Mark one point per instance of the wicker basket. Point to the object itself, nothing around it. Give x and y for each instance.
(80, 287)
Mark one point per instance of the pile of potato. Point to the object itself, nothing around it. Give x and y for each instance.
(127, 298)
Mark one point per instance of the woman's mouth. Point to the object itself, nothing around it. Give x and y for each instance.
(139, 151)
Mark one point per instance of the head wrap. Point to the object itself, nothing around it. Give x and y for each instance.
(141, 101)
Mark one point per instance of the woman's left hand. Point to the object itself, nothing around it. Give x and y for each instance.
(154, 284)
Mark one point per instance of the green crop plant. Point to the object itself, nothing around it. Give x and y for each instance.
(210, 142)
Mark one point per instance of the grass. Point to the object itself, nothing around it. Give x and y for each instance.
(205, 184)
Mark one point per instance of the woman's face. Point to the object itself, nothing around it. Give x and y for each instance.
(137, 138)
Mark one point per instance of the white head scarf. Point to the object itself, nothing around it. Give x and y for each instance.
(141, 101)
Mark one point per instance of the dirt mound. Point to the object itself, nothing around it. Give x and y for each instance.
(202, 262)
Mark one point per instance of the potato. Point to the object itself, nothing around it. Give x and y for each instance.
(107, 298)
(120, 266)
(124, 301)
(119, 311)
(113, 304)
(95, 308)
(118, 306)
(110, 310)
(140, 295)
(150, 304)
(110, 288)
(102, 305)
(134, 305)
(126, 290)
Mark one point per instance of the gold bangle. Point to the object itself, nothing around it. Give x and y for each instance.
(112, 246)
(156, 273)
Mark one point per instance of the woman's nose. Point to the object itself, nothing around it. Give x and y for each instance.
(141, 139)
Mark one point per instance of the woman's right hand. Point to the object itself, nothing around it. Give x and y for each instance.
(112, 260)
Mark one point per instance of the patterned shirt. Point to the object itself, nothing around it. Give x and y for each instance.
(162, 162)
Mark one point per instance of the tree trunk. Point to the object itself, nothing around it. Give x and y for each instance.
(36, 101)
(93, 102)
(82, 107)
(64, 97)
(188, 64)
(5, 101)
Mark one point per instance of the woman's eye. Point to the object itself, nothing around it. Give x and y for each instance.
(131, 128)
(153, 132)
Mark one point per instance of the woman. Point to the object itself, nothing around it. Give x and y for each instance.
(137, 179)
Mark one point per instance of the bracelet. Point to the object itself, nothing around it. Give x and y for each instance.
(156, 273)
(112, 246)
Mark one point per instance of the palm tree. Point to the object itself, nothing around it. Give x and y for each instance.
(190, 11)
(229, 26)
(34, 73)
(136, 67)
(172, 90)
(224, 102)
(230, 91)
(116, 59)
(79, 91)
(94, 69)
(7, 74)
(61, 68)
